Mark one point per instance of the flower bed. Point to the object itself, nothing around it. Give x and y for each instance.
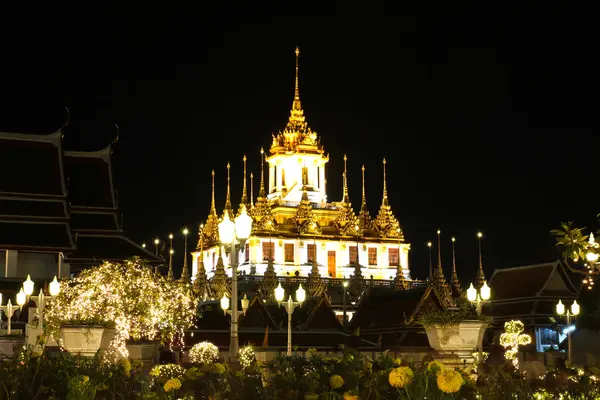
(350, 377)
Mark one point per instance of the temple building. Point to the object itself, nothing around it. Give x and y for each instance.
(296, 225)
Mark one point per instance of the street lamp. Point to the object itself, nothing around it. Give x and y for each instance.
(479, 296)
(225, 305)
(290, 306)
(228, 233)
(573, 312)
(344, 317)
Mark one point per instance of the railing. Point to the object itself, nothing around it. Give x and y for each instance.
(291, 280)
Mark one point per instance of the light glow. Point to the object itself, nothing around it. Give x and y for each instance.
(279, 293)
(300, 294)
(226, 230)
(21, 298)
(560, 308)
(225, 303)
(28, 286)
(485, 292)
(471, 293)
(54, 287)
(575, 308)
(243, 224)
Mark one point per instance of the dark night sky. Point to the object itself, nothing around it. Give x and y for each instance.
(486, 116)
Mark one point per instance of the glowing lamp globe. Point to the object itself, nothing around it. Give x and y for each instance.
(345, 284)
(21, 298)
(300, 294)
(186, 231)
(485, 292)
(591, 256)
(471, 293)
(54, 287)
(226, 230)
(575, 308)
(245, 303)
(225, 303)
(279, 293)
(560, 308)
(243, 224)
(28, 286)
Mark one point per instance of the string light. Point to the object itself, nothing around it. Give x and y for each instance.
(204, 353)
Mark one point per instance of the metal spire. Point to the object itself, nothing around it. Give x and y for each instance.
(480, 274)
(228, 198)
(244, 190)
(261, 192)
(385, 194)
(346, 198)
(213, 209)
(251, 190)
(296, 104)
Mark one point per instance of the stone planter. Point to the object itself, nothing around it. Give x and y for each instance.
(107, 337)
(10, 347)
(147, 352)
(83, 340)
(464, 336)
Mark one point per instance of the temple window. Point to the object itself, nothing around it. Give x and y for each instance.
(311, 251)
(353, 254)
(247, 252)
(393, 257)
(289, 252)
(268, 250)
(372, 255)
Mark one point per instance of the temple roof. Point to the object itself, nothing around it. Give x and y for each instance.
(90, 179)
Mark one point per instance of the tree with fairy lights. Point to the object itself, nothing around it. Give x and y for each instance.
(139, 303)
(512, 338)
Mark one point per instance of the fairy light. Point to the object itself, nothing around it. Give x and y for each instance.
(204, 353)
(512, 338)
(246, 356)
(140, 304)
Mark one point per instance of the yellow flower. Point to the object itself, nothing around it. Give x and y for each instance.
(400, 377)
(217, 368)
(435, 367)
(336, 381)
(397, 362)
(449, 381)
(155, 371)
(85, 379)
(125, 365)
(172, 385)
(350, 396)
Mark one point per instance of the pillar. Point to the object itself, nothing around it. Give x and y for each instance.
(271, 178)
(10, 266)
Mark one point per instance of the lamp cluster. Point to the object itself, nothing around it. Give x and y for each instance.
(591, 256)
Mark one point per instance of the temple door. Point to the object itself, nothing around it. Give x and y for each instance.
(331, 263)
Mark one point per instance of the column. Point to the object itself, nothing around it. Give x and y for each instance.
(279, 178)
(10, 266)
(322, 182)
(271, 177)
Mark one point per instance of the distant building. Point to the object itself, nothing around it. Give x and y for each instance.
(297, 225)
(58, 209)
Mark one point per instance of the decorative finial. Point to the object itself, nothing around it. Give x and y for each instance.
(385, 194)
(346, 197)
(228, 198)
(455, 282)
(430, 263)
(261, 191)
(480, 274)
(251, 190)
(244, 190)
(296, 105)
(213, 208)
(439, 251)
(364, 196)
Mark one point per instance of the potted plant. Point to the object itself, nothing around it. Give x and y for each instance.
(454, 330)
(126, 296)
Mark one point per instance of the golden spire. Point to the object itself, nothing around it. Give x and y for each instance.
(454, 280)
(213, 209)
(261, 191)
(385, 196)
(296, 104)
(251, 190)
(430, 263)
(439, 252)
(364, 196)
(228, 197)
(244, 191)
(346, 198)
(480, 274)
(364, 218)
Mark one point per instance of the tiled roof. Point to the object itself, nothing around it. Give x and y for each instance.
(35, 236)
(81, 221)
(385, 308)
(19, 207)
(511, 283)
(90, 180)
(34, 162)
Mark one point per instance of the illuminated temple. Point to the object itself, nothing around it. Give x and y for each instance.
(295, 223)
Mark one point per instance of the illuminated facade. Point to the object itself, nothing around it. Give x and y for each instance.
(296, 225)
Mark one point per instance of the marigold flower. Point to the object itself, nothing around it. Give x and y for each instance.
(172, 385)
(350, 396)
(400, 377)
(435, 367)
(449, 381)
(336, 381)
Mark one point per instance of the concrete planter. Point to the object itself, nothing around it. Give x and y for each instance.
(464, 336)
(143, 351)
(10, 347)
(82, 340)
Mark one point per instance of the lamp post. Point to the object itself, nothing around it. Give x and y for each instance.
(572, 312)
(479, 296)
(344, 317)
(290, 306)
(225, 305)
(229, 231)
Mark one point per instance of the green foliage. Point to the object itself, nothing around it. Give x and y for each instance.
(572, 241)
(451, 317)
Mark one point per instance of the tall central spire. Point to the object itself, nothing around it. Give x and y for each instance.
(261, 191)
(244, 201)
(384, 201)
(213, 208)
(296, 105)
